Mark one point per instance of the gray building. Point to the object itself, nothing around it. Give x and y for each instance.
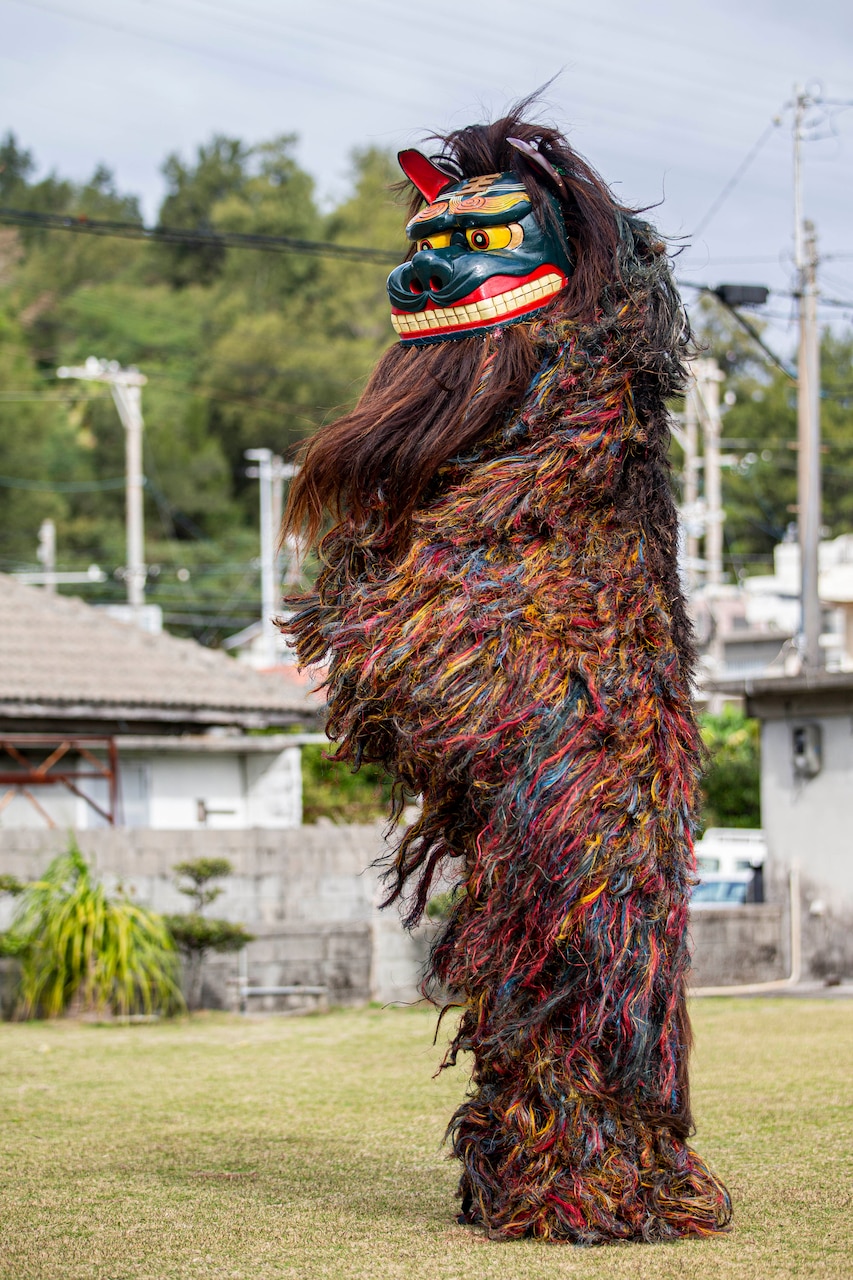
(807, 805)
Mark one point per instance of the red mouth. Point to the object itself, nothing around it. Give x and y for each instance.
(497, 299)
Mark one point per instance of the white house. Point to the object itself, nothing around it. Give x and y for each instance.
(102, 723)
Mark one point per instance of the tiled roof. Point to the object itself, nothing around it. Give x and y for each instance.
(63, 655)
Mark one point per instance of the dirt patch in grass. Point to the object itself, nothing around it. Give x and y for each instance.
(250, 1149)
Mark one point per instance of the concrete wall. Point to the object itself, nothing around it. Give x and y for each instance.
(733, 945)
(309, 895)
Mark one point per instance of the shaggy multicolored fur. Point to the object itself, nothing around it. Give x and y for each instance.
(514, 649)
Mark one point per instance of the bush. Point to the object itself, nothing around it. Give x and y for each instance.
(196, 934)
(440, 905)
(731, 795)
(83, 951)
(331, 790)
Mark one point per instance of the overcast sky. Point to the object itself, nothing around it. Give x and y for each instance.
(665, 97)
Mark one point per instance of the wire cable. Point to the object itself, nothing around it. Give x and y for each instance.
(736, 177)
(81, 224)
(745, 324)
(67, 486)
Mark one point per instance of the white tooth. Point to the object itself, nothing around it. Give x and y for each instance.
(477, 312)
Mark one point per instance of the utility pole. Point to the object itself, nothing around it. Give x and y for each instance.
(126, 387)
(708, 376)
(46, 554)
(271, 472)
(691, 484)
(808, 409)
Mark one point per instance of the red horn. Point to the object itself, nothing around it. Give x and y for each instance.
(422, 173)
(536, 157)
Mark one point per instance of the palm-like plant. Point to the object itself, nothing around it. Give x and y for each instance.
(81, 949)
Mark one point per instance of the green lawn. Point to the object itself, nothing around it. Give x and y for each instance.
(311, 1147)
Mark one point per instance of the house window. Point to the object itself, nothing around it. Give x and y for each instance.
(134, 782)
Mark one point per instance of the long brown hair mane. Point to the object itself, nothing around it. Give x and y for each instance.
(418, 409)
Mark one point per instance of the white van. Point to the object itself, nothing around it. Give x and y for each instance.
(727, 850)
(730, 862)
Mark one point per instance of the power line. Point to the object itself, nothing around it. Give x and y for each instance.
(26, 397)
(183, 46)
(83, 225)
(736, 176)
(67, 486)
(740, 261)
(180, 386)
(745, 324)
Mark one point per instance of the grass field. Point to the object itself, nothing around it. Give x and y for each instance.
(254, 1148)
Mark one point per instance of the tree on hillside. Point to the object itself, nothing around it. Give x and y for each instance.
(241, 349)
(16, 166)
(192, 192)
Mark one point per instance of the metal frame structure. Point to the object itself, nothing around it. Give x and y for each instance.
(20, 747)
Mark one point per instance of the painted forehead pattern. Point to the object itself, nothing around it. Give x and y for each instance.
(470, 203)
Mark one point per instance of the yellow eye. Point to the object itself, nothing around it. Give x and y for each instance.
(440, 240)
(506, 237)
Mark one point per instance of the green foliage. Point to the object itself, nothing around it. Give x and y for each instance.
(731, 785)
(331, 791)
(440, 905)
(193, 191)
(193, 932)
(81, 950)
(760, 430)
(16, 166)
(199, 872)
(241, 348)
(11, 884)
